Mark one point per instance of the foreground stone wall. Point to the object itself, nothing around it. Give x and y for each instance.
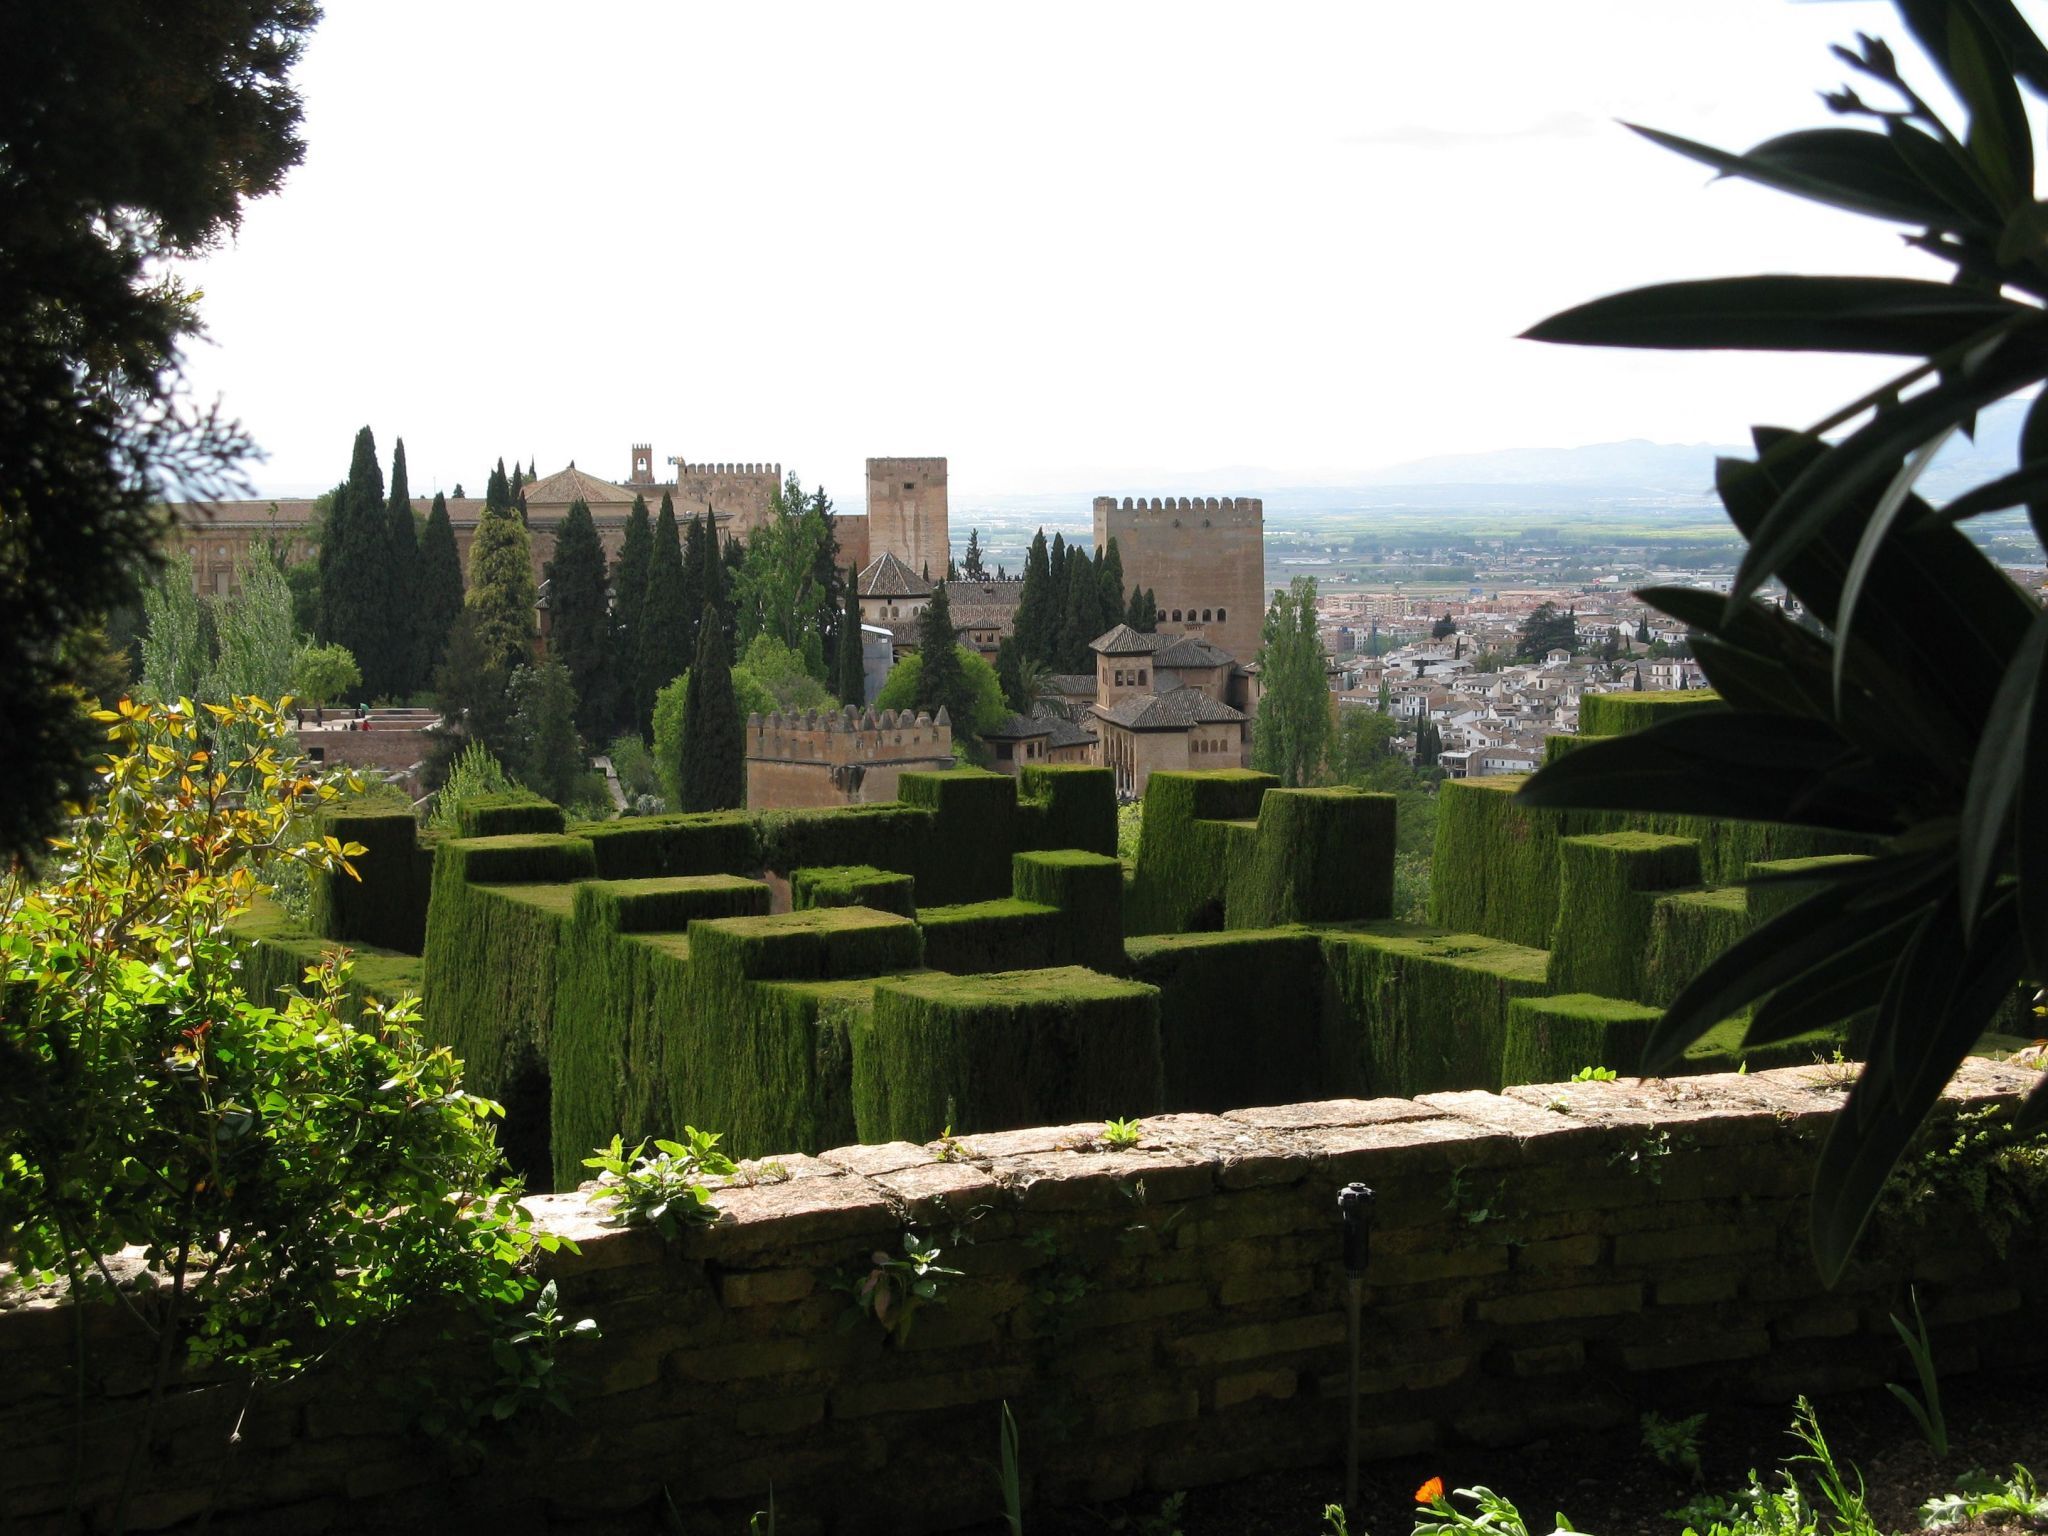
(1554, 1257)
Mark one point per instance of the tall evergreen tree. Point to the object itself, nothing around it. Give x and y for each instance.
(1036, 607)
(1010, 674)
(1143, 614)
(821, 528)
(353, 611)
(439, 591)
(941, 679)
(629, 597)
(1110, 584)
(971, 567)
(497, 489)
(664, 622)
(696, 573)
(400, 649)
(852, 675)
(501, 591)
(714, 742)
(726, 588)
(1080, 616)
(579, 618)
(518, 494)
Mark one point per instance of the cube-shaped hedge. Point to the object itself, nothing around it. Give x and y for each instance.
(1061, 805)
(506, 815)
(699, 843)
(853, 885)
(1003, 935)
(1319, 856)
(818, 945)
(1550, 1038)
(1608, 886)
(1003, 1051)
(1183, 867)
(973, 833)
(385, 903)
(1617, 714)
(520, 859)
(1240, 1015)
(669, 904)
(1088, 891)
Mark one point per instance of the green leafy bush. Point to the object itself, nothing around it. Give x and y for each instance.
(664, 1189)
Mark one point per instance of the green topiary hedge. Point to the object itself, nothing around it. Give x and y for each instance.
(853, 885)
(1088, 890)
(669, 904)
(517, 860)
(998, 1052)
(827, 943)
(1240, 1015)
(1495, 867)
(274, 953)
(1687, 929)
(1608, 885)
(1001, 935)
(1318, 856)
(703, 843)
(1067, 806)
(1415, 1010)
(889, 836)
(492, 984)
(1183, 866)
(386, 905)
(973, 833)
(1550, 1038)
(1617, 714)
(506, 815)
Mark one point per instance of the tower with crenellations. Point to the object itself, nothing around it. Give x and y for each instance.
(907, 514)
(1203, 558)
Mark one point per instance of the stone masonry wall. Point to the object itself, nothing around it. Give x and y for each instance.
(1553, 1257)
(1197, 555)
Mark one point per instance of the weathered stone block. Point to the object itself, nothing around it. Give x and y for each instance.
(1249, 1386)
(1556, 1306)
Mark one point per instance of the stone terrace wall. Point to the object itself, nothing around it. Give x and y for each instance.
(1553, 1257)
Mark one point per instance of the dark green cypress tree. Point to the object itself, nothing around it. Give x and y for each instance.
(971, 567)
(941, 680)
(853, 683)
(714, 770)
(1078, 616)
(629, 597)
(695, 594)
(664, 623)
(400, 650)
(579, 619)
(497, 489)
(1109, 606)
(439, 591)
(726, 592)
(1010, 673)
(518, 495)
(352, 598)
(827, 597)
(1035, 605)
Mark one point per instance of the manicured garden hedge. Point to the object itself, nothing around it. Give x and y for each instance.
(1617, 714)
(1420, 1011)
(1183, 864)
(1608, 885)
(1314, 856)
(1241, 1015)
(974, 832)
(505, 815)
(1550, 1038)
(274, 953)
(704, 843)
(1003, 1051)
(1001, 935)
(1088, 891)
(853, 885)
(385, 905)
(1067, 806)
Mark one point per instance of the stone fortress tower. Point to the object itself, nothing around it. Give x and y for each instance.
(1204, 558)
(907, 513)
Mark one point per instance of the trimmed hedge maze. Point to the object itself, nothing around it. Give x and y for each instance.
(973, 956)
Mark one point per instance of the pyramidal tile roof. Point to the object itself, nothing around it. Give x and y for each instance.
(571, 484)
(888, 576)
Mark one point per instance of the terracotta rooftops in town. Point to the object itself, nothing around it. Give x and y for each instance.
(887, 576)
(1175, 709)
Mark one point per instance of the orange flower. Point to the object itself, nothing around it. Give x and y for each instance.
(1430, 1491)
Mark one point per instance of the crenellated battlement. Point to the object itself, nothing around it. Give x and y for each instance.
(1234, 507)
(849, 736)
(772, 471)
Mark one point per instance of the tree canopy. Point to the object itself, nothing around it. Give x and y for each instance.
(1292, 733)
(123, 141)
(579, 616)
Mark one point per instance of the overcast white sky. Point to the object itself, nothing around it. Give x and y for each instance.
(1067, 246)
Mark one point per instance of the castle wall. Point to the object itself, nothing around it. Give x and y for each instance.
(741, 494)
(907, 514)
(811, 761)
(1201, 556)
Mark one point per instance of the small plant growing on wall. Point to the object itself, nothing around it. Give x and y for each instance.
(1122, 1135)
(894, 1289)
(664, 1190)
